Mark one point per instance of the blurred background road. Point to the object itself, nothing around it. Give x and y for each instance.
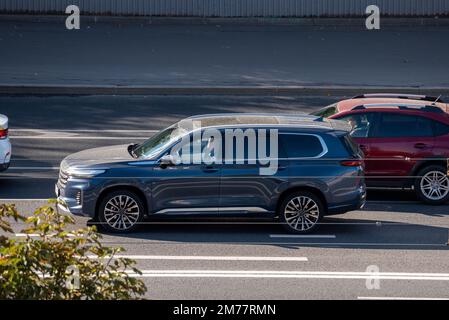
(126, 53)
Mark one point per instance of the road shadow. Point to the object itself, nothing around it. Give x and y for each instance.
(402, 201)
(27, 184)
(141, 112)
(349, 233)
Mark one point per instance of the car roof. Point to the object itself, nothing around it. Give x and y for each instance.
(404, 106)
(299, 120)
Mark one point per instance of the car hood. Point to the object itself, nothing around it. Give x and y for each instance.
(97, 157)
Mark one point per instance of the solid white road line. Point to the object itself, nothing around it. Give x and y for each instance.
(23, 235)
(77, 137)
(209, 258)
(288, 274)
(306, 236)
(46, 131)
(400, 298)
(17, 200)
(33, 168)
(393, 202)
(32, 235)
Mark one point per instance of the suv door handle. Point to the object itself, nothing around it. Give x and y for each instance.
(420, 145)
(209, 169)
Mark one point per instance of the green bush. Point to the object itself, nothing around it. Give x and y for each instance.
(56, 263)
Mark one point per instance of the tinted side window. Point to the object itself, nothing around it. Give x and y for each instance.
(301, 146)
(440, 128)
(361, 124)
(393, 125)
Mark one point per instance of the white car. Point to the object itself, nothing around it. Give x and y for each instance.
(5, 144)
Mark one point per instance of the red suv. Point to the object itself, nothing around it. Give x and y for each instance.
(405, 139)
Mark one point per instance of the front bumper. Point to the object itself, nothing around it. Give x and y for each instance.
(73, 197)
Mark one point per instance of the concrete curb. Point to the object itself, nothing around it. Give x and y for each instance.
(75, 90)
(309, 21)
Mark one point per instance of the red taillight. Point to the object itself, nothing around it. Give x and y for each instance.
(3, 133)
(352, 163)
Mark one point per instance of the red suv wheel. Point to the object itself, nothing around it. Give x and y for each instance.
(432, 185)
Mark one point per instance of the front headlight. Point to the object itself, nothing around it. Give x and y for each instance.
(84, 173)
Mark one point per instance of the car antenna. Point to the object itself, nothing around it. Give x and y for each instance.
(436, 100)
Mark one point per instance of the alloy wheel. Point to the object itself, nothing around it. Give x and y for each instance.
(434, 185)
(301, 213)
(121, 212)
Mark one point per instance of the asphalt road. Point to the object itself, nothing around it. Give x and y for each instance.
(402, 240)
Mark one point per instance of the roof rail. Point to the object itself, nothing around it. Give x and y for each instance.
(419, 107)
(400, 96)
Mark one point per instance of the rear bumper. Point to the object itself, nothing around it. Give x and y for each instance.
(5, 154)
(358, 203)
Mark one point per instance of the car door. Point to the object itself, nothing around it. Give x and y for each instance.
(397, 143)
(248, 186)
(363, 124)
(191, 187)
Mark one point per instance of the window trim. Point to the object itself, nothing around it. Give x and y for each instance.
(320, 139)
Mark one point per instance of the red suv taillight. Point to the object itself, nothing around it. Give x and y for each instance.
(3, 133)
(352, 163)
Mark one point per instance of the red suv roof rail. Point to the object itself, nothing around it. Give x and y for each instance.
(401, 106)
(400, 96)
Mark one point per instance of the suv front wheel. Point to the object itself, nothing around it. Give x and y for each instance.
(432, 185)
(301, 212)
(120, 211)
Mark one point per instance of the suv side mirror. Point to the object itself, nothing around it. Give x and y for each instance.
(166, 161)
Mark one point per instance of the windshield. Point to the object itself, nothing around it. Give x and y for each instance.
(326, 111)
(160, 141)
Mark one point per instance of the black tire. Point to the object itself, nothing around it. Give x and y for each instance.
(423, 193)
(288, 219)
(125, 216)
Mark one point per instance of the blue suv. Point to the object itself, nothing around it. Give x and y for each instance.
(296, 169)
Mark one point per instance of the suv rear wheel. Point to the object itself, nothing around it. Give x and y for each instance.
(432, 185)
(121, 211)
(300, 212)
